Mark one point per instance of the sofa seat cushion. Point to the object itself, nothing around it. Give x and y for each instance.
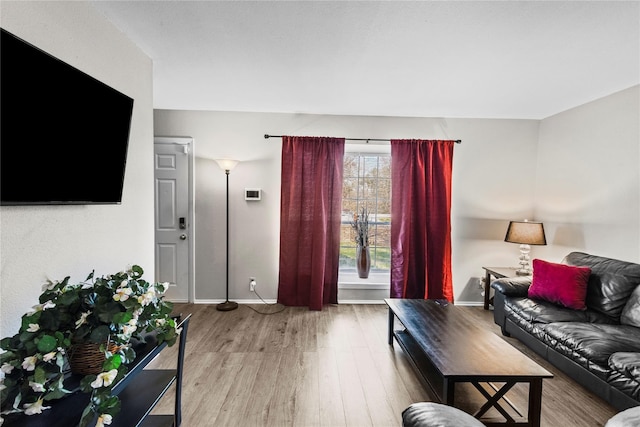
(533, 316)
(590, 344)
(625, 373)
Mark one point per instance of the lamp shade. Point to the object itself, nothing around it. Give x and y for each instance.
(526, 233)
(226, 164)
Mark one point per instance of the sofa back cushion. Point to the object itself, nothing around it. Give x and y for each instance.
(611, 282)
(631, 311)
(561, 284)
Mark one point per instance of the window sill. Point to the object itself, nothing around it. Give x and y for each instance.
(350, 280)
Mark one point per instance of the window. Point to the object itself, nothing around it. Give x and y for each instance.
(367, 183)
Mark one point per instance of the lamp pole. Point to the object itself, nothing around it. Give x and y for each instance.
(227, 305)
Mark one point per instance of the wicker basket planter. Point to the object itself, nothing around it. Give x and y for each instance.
(87, 359)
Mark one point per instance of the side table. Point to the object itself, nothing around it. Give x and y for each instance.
(498, 273)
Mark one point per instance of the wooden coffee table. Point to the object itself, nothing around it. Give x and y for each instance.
(446, 349)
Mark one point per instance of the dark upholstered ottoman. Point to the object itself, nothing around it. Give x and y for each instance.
(430, 414)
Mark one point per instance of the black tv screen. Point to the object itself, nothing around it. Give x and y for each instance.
(63, 134)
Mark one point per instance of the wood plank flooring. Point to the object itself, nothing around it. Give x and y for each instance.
(325, 368)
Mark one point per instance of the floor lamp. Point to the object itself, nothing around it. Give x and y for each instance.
(226, 165)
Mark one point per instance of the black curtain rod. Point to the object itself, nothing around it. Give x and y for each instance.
(267, 136)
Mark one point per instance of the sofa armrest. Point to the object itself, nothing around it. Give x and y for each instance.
(512, 286)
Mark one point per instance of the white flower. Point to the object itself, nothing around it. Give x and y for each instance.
(127, 329)
(105, 379)
(104, 419)
(29, 363)
(34, 408)
(83, 319)
(49, 356)
(33, 327)
(42, 307)
(146, 298)
(37, 387)
(6, 368)
(122, 294)
(49, 285)
(160, 322)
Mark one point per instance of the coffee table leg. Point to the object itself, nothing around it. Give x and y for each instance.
(487, 290)
(535, 402)
(391, 316)
(448, 391)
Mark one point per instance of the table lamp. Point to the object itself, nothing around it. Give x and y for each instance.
(525, 233)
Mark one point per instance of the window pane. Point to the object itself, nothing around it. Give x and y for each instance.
(350, 165)
(370, 166)
(385, 167)
(350, 188)
(367, 184)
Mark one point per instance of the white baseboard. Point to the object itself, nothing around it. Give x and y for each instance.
(469, 303)
(239, 301)
(353, 301)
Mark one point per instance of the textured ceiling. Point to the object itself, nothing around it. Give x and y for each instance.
(496, 59)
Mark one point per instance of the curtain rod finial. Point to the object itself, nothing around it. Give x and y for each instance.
(266, 136)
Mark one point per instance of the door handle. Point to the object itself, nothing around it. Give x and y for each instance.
(183, 237)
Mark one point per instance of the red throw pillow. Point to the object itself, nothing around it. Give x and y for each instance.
(561, 284)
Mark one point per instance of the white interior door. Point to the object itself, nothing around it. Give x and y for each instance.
(174, 216)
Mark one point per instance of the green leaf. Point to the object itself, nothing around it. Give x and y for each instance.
(5, 343)
(128, 354)
(50, 320)
(111, 405)
(47, 343)
(85, 383)
(106, 311)
(7, 356)
(89, 277)
(100, 334)
(60, 360)
(56, 393)
(88, 417)
(122, 317)
(113, 362)
(137, 271)
(28, 319)
(39, 375)
(68, 298)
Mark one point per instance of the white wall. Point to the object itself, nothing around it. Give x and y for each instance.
(588, 178)
(493, 182)
(41, 242)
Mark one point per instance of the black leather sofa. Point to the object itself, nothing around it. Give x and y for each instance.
(591, 345)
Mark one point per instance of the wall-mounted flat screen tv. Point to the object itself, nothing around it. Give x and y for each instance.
(63, 134)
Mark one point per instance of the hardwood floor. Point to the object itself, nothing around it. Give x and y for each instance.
(324, 368)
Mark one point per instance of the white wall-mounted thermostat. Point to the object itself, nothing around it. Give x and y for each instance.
(252, 193)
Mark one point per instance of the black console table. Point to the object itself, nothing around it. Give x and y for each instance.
(139, 392)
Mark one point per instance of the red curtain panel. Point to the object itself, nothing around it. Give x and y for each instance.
(421, 219)
(310, 206)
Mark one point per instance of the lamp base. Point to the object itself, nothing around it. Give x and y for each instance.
(227, 306)
(524, 272)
